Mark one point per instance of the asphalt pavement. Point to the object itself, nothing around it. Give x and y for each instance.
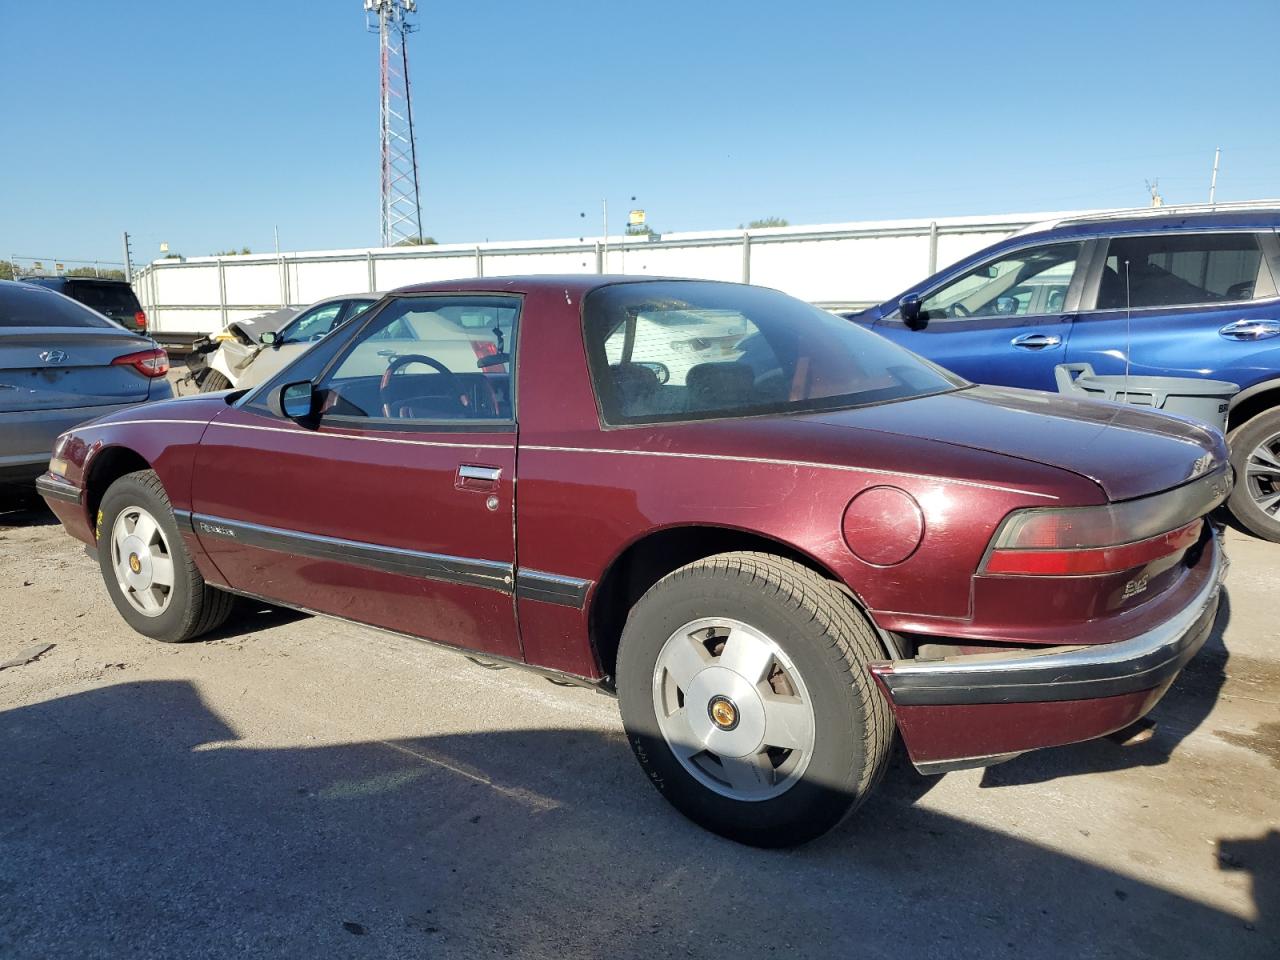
(296, 787)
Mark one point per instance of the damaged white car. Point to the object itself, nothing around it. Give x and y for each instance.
(249, 351)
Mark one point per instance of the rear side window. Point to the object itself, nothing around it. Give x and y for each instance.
(22, 305)
(110, 298)
(669, 351)
(1183, 269)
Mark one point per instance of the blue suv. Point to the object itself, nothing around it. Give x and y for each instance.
(1181, 292)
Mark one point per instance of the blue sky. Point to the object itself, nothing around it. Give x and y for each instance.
(205, 124)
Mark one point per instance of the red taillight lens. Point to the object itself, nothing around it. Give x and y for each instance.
(149, 363)
(1088, 561)
(140, 319)
(484, 348)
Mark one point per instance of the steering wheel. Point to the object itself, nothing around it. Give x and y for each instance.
(958, 309)
(397, 363)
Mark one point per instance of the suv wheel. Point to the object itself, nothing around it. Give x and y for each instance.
(1255, 457)
(744, 692)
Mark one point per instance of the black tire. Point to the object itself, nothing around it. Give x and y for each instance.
(829, 642)
(214, 381)
(1244, 440)
(193, 607)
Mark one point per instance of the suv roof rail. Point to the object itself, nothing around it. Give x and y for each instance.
(1171, 209)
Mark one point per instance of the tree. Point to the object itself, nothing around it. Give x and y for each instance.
(94, 272)
(233, 252)
(767, 222)
(6, 270)
(416, 242)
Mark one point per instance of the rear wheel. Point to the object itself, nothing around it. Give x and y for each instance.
(214, 381)
(1255, 457)
(151, 578)
(744, 691)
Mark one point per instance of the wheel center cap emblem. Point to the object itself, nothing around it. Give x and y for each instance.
(134, 563)
(723, 713)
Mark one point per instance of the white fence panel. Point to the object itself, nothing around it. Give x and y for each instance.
(831, 264)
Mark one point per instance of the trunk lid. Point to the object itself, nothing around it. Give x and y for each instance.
(52, 368)
(1127, 451)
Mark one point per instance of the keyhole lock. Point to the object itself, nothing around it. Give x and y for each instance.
(491, 503)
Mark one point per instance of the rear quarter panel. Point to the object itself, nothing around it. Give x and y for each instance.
(586, 493)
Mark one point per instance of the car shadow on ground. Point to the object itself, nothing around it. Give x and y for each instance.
(1186, 705)
(136, 822)
(20, 507)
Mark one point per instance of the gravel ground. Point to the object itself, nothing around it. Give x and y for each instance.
(294, 787)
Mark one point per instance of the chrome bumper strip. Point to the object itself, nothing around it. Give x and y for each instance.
(1082, 672)
(52, 489)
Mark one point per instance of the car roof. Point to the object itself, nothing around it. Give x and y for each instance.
(50, 281)
(1256, 215)
(574, 284)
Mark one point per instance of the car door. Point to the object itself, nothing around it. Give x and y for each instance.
(1192, 306)
(392, 504)
(1005, 321)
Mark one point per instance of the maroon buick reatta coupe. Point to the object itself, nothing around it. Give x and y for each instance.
(775, 535)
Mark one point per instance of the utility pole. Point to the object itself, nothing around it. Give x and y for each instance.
(605, 205)
(1213, 181)
(128, 260)
(401, 206)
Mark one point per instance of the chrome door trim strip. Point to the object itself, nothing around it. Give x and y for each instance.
(444, 568)
(489, 574)
(730, 458)
(552, 588)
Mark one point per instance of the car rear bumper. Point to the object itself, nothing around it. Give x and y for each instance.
(973, 710)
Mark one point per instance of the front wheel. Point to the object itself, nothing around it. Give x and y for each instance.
(1255, 457)
(151, 578)
(744, 692)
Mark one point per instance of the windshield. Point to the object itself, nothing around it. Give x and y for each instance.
(23, 305)
(668, 351)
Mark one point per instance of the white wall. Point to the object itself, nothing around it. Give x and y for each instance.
(830, 264)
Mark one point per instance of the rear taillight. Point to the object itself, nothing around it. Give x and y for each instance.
(1088, 561)
(149, 363)
(484, 348)
(1087, 541)
(140, 319)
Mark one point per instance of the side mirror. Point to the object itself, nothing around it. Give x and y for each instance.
(294, 400)
(909, 308)
(269, 338)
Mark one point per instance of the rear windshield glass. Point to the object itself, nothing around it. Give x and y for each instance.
(112, 298)
(666, 351)
(22, 305)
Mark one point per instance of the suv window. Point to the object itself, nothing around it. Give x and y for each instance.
(428, 358)
(664, 351)
(1028, 282)
(1180, 269)
(113, 299)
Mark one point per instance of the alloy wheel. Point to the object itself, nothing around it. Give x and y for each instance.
(142, 561)
(1262, 475)
(733, 708)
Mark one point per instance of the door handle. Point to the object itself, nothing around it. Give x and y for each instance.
(1251, 330)
(475, 476)
(1036, 341)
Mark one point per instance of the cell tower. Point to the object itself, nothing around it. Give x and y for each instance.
(401, 208)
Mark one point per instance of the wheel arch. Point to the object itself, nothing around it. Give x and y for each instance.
(1250, 402)
(108, 465)
(649, 558)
